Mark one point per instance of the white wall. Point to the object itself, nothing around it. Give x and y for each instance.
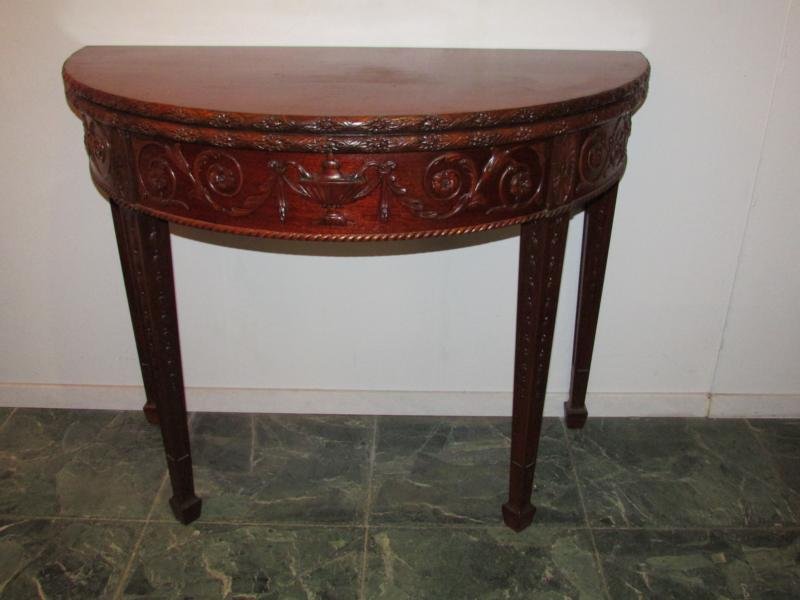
(702, 256)
(761, 342)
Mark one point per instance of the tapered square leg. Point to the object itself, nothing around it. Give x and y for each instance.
(135, 306)
(146, 259)
(598, 219)
(541, 255)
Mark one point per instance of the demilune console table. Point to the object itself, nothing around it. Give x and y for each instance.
(355, 144)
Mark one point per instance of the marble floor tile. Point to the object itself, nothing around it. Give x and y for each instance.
(279, 468)
(63, 559)
(455, 470)
(79, 463)
(246, 562)
(781, 438)
(678, 473)
(480, 563)
(693, 564)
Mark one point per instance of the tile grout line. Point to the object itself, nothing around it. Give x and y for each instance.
(190, 424)
(362, 583)
(401, 526)
(770, 458)
(760, 443)
(8, 418)
(135, 550)
(595, 551)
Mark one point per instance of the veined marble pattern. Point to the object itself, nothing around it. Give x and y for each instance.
(280, 468)
(679, 473)
(63, 559)
(455, 470)
(781, 439)
(683, 564)
(79, 463)
(246, 562)
(627, 508)
(481, 563)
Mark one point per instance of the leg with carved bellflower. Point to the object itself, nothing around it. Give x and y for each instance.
(135, 307)
(146, 260)
(541, 255)
(598, 218)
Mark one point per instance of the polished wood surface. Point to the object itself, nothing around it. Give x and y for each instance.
(346, 84)
(402, 161)
(354, 144)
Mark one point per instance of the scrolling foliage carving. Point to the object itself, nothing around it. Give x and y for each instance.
(215, 177)
(98, 147)
(603, 151)
(511, 179)
(453, 182)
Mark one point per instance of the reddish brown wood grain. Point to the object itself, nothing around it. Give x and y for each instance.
(336, 89)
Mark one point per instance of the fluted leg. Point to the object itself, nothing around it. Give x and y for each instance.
(146, 259)
(541, 257)
(598, 219)
(135, 307)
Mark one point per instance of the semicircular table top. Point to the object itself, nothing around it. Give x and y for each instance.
(351, 84)
(354, 143)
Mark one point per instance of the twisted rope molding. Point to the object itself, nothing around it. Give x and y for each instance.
(553, 213)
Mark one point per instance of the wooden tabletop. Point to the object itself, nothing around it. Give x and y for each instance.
(356, 84)
(354, 143)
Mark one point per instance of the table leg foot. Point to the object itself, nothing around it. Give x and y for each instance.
(575, 416)
(597, 223)
(518, 519)
(186, 510)
(150, 413)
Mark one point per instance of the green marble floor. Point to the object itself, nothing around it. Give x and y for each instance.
(342, 507)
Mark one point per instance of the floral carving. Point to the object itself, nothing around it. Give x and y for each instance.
(433, 123)
(511, 179)
(215, 177)
(603, 151)
(563, 178)
(594, 156)
(619, 141)
(454, 183)
(156, 167)
(274, 123)
(97, 147)
(324, 124)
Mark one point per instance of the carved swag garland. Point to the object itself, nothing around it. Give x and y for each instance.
(511, 179)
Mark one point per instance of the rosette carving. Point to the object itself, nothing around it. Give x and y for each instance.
(156, 165)
(594, 156)
(98, 147)
(511, 179)
(450, 181)
(217, 178)
(618, 142)
(603, 151)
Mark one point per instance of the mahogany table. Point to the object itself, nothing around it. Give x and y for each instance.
(357, 144)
